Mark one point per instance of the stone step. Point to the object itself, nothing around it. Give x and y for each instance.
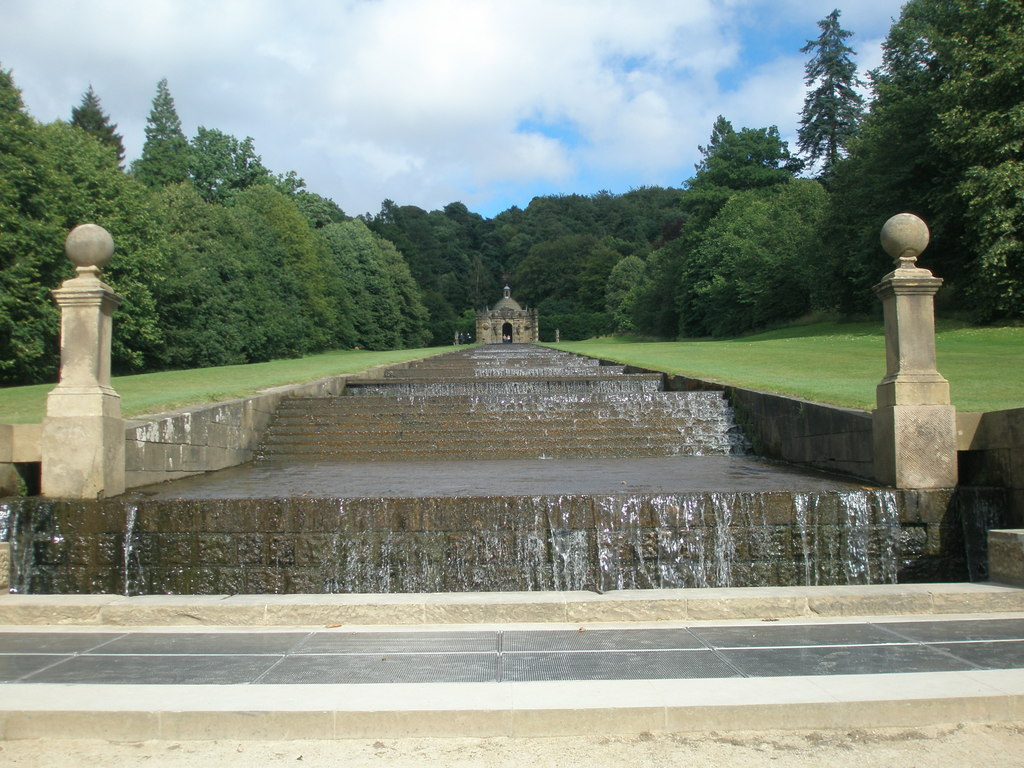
(505, 371)
(470, 438)
(526, 453)
(390, 422)
(561, 377)
(491, 403)
(451, 429)
(483, 386)
(678, 402)
(432, 445)
(469, 422)
(525, 414)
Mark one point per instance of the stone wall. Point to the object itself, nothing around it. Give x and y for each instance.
(19, 449)
(1006, 557)
(176, 444)
(992, 454)
(225, 434)
(183, 443)
(510, 543)
(198, 440)
(798, 431)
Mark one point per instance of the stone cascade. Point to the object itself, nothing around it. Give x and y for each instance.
(481, 404)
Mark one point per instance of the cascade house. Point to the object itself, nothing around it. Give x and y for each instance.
(507, 322)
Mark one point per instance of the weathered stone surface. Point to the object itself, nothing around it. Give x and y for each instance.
(83, 453)
(82, 442)
(915, 432)
(207, 438)
(915, 446)
(10, 480)
(504, 543)
(1006, 557)
(795, 430)
(994, 456)
(20, 443)
(507, 320)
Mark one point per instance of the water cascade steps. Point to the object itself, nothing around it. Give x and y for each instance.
(531, 403)
(491, 468)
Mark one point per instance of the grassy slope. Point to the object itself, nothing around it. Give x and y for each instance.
(158, 392)
(838, 363)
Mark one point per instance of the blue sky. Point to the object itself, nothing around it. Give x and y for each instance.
(425, 102)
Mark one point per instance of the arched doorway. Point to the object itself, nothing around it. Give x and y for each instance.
(506, 333)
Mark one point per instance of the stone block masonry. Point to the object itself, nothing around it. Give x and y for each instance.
(789, 429)
(497, 543)
(992, 454)
(188, 442)
(1006, 555)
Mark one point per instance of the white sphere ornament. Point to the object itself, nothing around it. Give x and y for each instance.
(904, 237)
(89, 245)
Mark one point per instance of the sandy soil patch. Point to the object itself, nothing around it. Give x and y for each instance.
(995, 745)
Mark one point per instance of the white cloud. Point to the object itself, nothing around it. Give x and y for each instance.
(428, 101)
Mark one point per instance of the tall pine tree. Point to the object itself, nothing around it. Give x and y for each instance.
(90, 118)
(166, 154)
(833, 109)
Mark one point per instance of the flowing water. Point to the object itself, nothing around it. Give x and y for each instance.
(497, 468)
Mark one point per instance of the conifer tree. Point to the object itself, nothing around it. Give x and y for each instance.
(90, 118)
(166, 154)
(833, 109)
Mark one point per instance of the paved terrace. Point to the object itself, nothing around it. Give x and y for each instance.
(335, 666)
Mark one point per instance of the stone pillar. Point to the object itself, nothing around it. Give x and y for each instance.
(83, 432)
(914, 423)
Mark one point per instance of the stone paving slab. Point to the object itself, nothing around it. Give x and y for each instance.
(821, 633)
(339, 656)
(328, 711)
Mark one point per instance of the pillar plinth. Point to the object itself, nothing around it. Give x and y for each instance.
(83, 431)
(914, 424)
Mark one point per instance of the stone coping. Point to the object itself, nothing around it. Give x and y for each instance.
(419, 610)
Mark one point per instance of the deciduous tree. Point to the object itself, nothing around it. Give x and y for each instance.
(220, 165)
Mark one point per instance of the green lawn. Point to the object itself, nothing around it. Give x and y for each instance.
(838, 363)
(157, 392)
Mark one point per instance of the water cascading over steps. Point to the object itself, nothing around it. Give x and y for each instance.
(533, 403)
(501, 417)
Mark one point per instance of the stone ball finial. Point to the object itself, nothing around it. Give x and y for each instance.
(89, 245)
(904, 237)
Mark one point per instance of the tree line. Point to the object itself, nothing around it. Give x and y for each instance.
(221, 261)
(761, 235)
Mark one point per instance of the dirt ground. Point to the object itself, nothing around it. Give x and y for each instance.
(999, 745)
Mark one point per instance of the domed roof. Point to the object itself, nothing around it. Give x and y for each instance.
(507, 302)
